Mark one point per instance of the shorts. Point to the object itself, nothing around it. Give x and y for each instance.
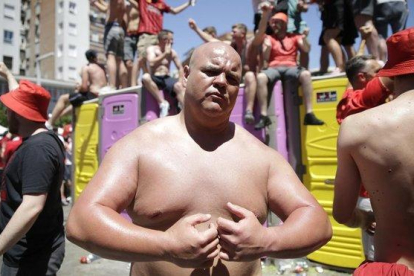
(165, 83)
(394, 14)
(41, 264)
(284, 73)
(367, 238)
(144, 41)
(114, 37)
(77, 98)
(333, 15)
(365, 7)
(256, 21)
(67, 175)
(130, 47)
(384, 269)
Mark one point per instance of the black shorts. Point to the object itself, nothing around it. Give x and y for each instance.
(77, 98)
(165, 83)
(333, 15)
(365, 7)
(257, 17)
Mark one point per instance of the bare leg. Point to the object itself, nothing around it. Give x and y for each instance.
(304, 59)
(129, 64)
(362, 20)
(250, 94)
(66, 111)
(324, 60)
(150, 85)
(382, 49)
(306, 82)
(112, 69)
(179, 91)
(333, 46)
(135, 73)
(262, 93)
(350, 51)
(61, 104)
(123, 73)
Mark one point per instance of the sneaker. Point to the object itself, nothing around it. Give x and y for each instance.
(335, 72)
(263, 122)
(311, 119)
(248, 117)
(48, 125)
(164, 107)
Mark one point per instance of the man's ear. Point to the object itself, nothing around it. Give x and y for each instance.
(186, 73)
(361, 77)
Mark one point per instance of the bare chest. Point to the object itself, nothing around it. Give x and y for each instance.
(177, 184)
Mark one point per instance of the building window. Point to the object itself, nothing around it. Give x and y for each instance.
(60, 73)
(72, 7)
(60, 50)
(9, 62)
(60, 28)
(72, 51)
(61, 5)
(72, 29)
(8, 37)
(9, 11)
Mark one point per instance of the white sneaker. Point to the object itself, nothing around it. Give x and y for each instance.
(48, 125)
(164, 107)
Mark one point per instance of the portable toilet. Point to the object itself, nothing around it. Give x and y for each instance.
(85, 145)
(149, 107)
(118, 116)
(319, 158)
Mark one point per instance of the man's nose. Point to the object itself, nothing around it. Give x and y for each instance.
(220, 80)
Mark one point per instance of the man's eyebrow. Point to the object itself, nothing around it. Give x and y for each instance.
(210, 67)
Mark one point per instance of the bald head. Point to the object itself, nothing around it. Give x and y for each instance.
(216, 48)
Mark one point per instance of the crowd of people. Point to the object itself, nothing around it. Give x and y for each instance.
(213, 181)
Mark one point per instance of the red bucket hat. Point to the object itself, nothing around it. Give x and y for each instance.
(400, 54)
(29, 101)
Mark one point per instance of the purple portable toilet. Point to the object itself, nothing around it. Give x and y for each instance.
(118, 116)
(237, 116)
(149, 106)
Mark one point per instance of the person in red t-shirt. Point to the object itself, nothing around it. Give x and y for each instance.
(281, 54)
(369, 92)
(151, 16)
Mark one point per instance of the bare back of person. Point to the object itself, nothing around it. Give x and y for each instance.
(116, 11)
(384, 156)
(163, 67)
(132, 17)
(169, 195)
(97, 77)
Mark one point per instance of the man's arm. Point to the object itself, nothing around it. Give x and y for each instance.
(100, 5)
(154, 60)
(348, 179)
(22, 220)
(289, 200)
(95, 218)
(261, 32)
(178, 64)
(5, 73)
(203, 35)
(180, 8)
(84, 87)
(303, 41)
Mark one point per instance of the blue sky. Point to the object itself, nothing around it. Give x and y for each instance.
(224, 13)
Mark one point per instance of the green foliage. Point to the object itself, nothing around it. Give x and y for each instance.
(64, 120)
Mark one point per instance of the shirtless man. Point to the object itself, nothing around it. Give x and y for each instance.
(248, 51)
(159, 58)
(93, 80)
(205, 204)
(114, 37)
(374, 148)
(131, 18)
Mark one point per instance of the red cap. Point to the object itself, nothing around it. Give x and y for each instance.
(400, 54)
(280, 16)
(29, 101)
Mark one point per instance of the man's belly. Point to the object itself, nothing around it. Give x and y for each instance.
(219, 268)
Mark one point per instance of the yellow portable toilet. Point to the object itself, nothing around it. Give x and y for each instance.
(319, 158)
(85, 145)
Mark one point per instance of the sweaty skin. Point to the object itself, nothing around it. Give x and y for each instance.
(131, 17)
(93, 78)
(177, 190)
(116, 11)
(374, 148)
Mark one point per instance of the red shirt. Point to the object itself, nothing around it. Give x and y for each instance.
(355, 101)
(284, 52)
(151, 16)
(10, 147)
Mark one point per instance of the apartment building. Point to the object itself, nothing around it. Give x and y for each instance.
(10, 22)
